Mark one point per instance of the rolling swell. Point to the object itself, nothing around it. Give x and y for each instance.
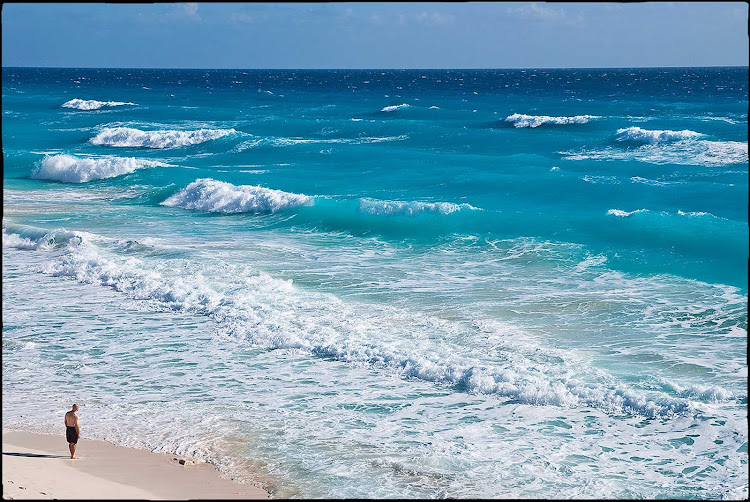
(367, 214)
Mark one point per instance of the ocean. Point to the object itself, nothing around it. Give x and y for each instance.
(386, 283)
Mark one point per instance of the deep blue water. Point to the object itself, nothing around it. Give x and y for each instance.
(441, 276)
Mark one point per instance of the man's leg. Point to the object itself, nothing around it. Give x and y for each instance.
(72, 447)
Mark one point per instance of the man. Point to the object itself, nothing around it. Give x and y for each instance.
(72, 431)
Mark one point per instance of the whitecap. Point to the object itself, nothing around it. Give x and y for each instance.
(212, 196)
(392, 207)
(393, 108)
(625, 214)
(640, 135)
(687, 152)
(521, 120)
(72, 169)
(131, 137)
(92, 104)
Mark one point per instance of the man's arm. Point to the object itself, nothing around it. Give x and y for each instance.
(78, 429)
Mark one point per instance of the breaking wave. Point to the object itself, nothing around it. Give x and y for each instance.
(71, 169)
(393, 108)
(392, 207)
(689, 214)
(273, 314)
(648, 136)
(212, 196)
(521, 120)
(131, 137)
(625, 214)
(92, 104)
(686, 152)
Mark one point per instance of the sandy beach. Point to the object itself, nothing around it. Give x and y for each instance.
(38, 466)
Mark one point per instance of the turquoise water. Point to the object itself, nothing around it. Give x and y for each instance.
(464, 283)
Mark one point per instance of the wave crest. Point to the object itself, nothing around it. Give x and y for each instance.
(131, 137)
(212, 196)
(625, 214)
(393, 108)
(648, 136)
(521, 120)
(71, 169)
(393, 207)
(92, 104)
(688, 152)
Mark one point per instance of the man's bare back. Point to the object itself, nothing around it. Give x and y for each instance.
(72, 430)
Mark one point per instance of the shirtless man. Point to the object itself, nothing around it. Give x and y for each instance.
(72, 431)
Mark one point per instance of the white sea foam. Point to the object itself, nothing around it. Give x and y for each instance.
(639, 135)
(284, 142)
(258, 311)
(646, 181)
(212, 196)
(687, 152)
(712, 118)
(405, 363)
(349, 141)
(625, 214)
(690, 214)
(16, 241)
(72, 169)
(393, 108)
(92, 104)
(131, 137)
(38, 239)
(521, 120)
(705, 393)
(698, 214)
(391, 207)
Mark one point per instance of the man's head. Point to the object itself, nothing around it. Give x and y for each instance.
(75, 407)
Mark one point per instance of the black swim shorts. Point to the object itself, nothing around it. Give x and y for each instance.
(71, 434)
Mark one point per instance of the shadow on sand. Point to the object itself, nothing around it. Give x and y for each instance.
(33, 455)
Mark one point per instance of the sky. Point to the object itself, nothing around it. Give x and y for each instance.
(375, 35)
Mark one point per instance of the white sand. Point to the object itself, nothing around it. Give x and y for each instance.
(38, 466)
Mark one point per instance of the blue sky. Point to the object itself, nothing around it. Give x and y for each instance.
(375, 35)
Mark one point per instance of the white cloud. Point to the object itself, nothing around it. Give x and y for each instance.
(433, 18)
(191, 10)
(164, 13)
(536, 11)
(240, 17)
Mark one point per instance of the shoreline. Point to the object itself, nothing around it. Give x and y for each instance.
(39, 466)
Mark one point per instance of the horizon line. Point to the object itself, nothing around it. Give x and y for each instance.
(373, 69)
